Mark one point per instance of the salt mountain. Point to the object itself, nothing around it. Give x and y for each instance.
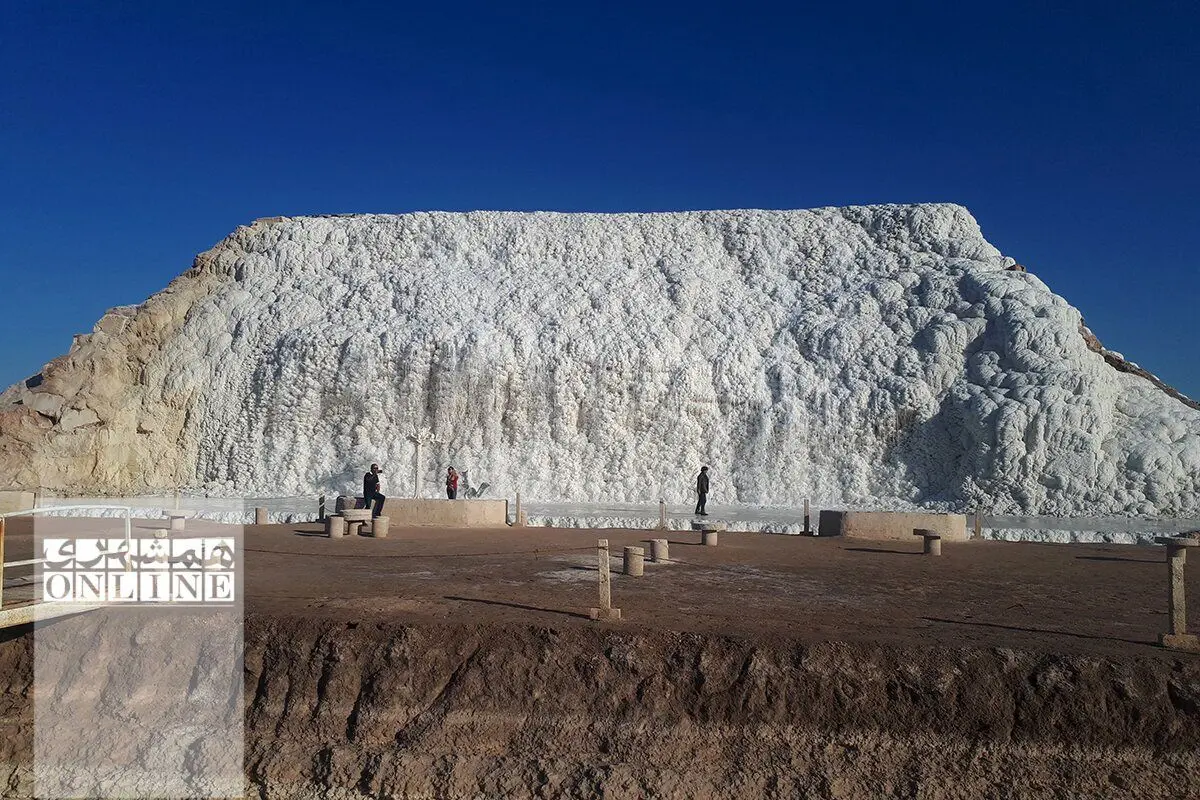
(868, 356)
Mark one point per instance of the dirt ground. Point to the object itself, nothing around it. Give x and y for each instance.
(1106, 600)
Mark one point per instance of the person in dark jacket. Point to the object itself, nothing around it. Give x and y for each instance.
(702, 491)
(371, 491)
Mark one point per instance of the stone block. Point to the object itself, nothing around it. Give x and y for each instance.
(16, 501)
(1180, 641)
(379, 528)
(605, 614)
(659, 551)
(634, 561)
(335, 526)
(891, 526)
(410, 512)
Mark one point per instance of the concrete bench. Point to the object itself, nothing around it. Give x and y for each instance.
(356, 519)
(348, 502)
(932, 541)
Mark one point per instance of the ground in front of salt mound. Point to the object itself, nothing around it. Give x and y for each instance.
(1100, 599)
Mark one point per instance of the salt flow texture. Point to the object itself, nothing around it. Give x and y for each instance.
(873, 356)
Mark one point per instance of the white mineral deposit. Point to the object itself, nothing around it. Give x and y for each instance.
(863, 356)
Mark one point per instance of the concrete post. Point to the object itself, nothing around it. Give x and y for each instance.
(605, 611)
(978, 523)
(321, 508)
(177, 522)
(662, 515)
(260, 516)
(379, 528)
(518, 521)
(1178, 638)
(602, 564)
(634, 561)
(710, 538)
(335, 526)
(658, 551)
(807, 519)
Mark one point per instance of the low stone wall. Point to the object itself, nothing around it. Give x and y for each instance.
(15, 501)
(891, 525)
(447, 513)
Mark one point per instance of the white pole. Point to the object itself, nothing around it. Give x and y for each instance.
(417, 471)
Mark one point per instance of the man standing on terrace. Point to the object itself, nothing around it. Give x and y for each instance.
(702, 491)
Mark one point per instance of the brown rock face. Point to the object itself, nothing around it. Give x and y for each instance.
(104, 415)
(355, 710)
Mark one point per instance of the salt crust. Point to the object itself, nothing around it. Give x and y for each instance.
(868, 357)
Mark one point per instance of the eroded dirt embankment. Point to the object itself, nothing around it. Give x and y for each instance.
(344, 710)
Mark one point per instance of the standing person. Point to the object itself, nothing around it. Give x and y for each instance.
(371, 491)
(451, 484)
(702, 491)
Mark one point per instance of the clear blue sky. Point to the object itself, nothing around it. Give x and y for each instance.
(134, 135)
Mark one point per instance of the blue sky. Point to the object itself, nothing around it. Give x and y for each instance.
(134, 135)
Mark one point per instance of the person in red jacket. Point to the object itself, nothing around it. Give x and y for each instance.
(451, 484)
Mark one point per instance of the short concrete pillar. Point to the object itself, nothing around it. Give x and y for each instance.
(353, 527)
(605, 612)
(1178, 638)
(807, 519)
(634, 561)
(177, 522)
(260, 516)
(379, 528)
(932, 542)
(321, 508)
(335, 526)
(978, 523)
(710, 538)
(659, 552)
(518, 520)
(662, 515)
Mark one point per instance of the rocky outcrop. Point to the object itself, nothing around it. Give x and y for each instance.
(883, 356)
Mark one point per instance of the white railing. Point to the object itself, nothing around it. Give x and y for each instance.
(49, 510)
